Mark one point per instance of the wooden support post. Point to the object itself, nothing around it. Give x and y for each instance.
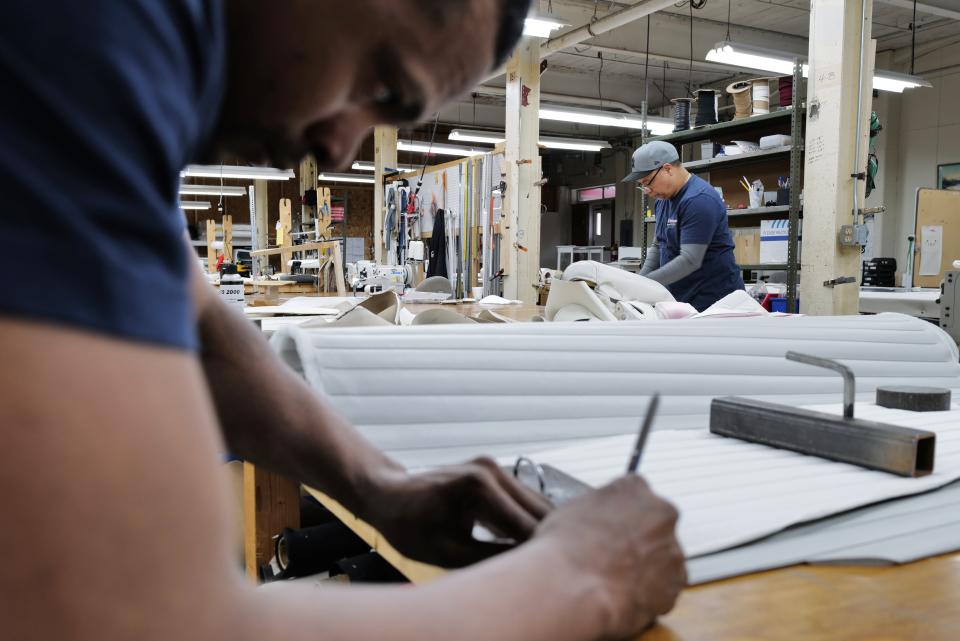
(270, 503)
(228, 238)
(211, 252)
(832, 131)
(284, 232)
(521, 246)
(384, 155)
(260, 210)
(308, 180)
(324, 204)
(338, 269)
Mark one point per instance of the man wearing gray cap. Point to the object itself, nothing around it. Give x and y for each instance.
(692, 253)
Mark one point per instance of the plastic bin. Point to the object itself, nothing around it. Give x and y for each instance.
(779, 304)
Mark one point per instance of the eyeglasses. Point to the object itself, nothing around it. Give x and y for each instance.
(646, 187)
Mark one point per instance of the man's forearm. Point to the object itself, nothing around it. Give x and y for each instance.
(510, 598)
(652, 261)
(271, 417)
(688, 261)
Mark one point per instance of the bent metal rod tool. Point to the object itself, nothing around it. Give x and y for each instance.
(870, 444)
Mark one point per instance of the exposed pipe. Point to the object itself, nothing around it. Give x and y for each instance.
(856, 156)
(557, 97)
(701, 64)
(610, 22)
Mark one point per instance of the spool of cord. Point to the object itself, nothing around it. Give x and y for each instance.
(742, 97)
(681, 113)
(761, 96)
(706, 107)
(316, 549)
(785, 87)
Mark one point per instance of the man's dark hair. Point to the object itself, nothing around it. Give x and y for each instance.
(512, 15)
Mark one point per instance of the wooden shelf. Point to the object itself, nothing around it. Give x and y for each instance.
(759, 211)
(725, 129)
(767, 267)
(711, 163)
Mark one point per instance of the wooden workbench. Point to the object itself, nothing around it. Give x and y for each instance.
(918, 601)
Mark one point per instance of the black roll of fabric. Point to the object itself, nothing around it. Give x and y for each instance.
(706, 107)
(368, 568)
(313, 513)
(316, 549)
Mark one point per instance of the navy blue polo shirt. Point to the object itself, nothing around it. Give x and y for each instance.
(696, 215)
(103, 102)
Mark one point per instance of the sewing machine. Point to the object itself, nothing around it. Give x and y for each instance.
(368, 276)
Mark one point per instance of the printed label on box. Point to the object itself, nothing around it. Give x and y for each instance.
(774, 237)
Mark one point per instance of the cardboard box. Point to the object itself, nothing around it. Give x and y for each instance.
(747, 248)
(774, 237)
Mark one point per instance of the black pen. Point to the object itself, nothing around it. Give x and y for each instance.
(642, 436)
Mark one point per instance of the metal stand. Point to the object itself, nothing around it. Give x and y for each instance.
(796, 160)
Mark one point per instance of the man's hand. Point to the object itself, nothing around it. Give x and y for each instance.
(623, 535)
(430, 517)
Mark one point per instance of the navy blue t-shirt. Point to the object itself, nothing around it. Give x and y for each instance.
(102, 104)
(696, 215)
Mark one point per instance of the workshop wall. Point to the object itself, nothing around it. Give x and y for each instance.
(928, 135)
(359, 214)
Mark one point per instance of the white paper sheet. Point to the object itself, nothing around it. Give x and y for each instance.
(730, 492)
(931, 250)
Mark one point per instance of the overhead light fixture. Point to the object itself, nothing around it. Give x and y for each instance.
(439, 148)
(366, 165)
(781, 63)
(750, 57)
(236, 172)
(194, 204)
(468, 135)
(655, 124)
(541, 25)
(897, 82)
(344, 178)
(495, 137)
(574, 144)
(212, 190)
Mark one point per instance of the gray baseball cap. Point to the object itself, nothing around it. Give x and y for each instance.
(650, 157)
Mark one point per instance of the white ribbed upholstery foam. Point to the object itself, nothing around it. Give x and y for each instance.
(438, 394)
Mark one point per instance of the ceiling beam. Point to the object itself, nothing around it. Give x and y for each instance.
(924, 8)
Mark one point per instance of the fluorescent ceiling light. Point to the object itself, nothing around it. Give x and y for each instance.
(574, 144)
(891, 81)
(541, 25)
(212, 190)
(439, 148)
(344, 178)
(655, 124)
(194, 204)
(366, 165)
(750, 57)
(467, 135)
(495, 137)
(781, 63)
(236, 172)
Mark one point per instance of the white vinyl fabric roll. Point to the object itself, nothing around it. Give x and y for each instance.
(438, 394)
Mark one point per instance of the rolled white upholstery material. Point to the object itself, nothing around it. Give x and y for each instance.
(437, 394)
(630, 286)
